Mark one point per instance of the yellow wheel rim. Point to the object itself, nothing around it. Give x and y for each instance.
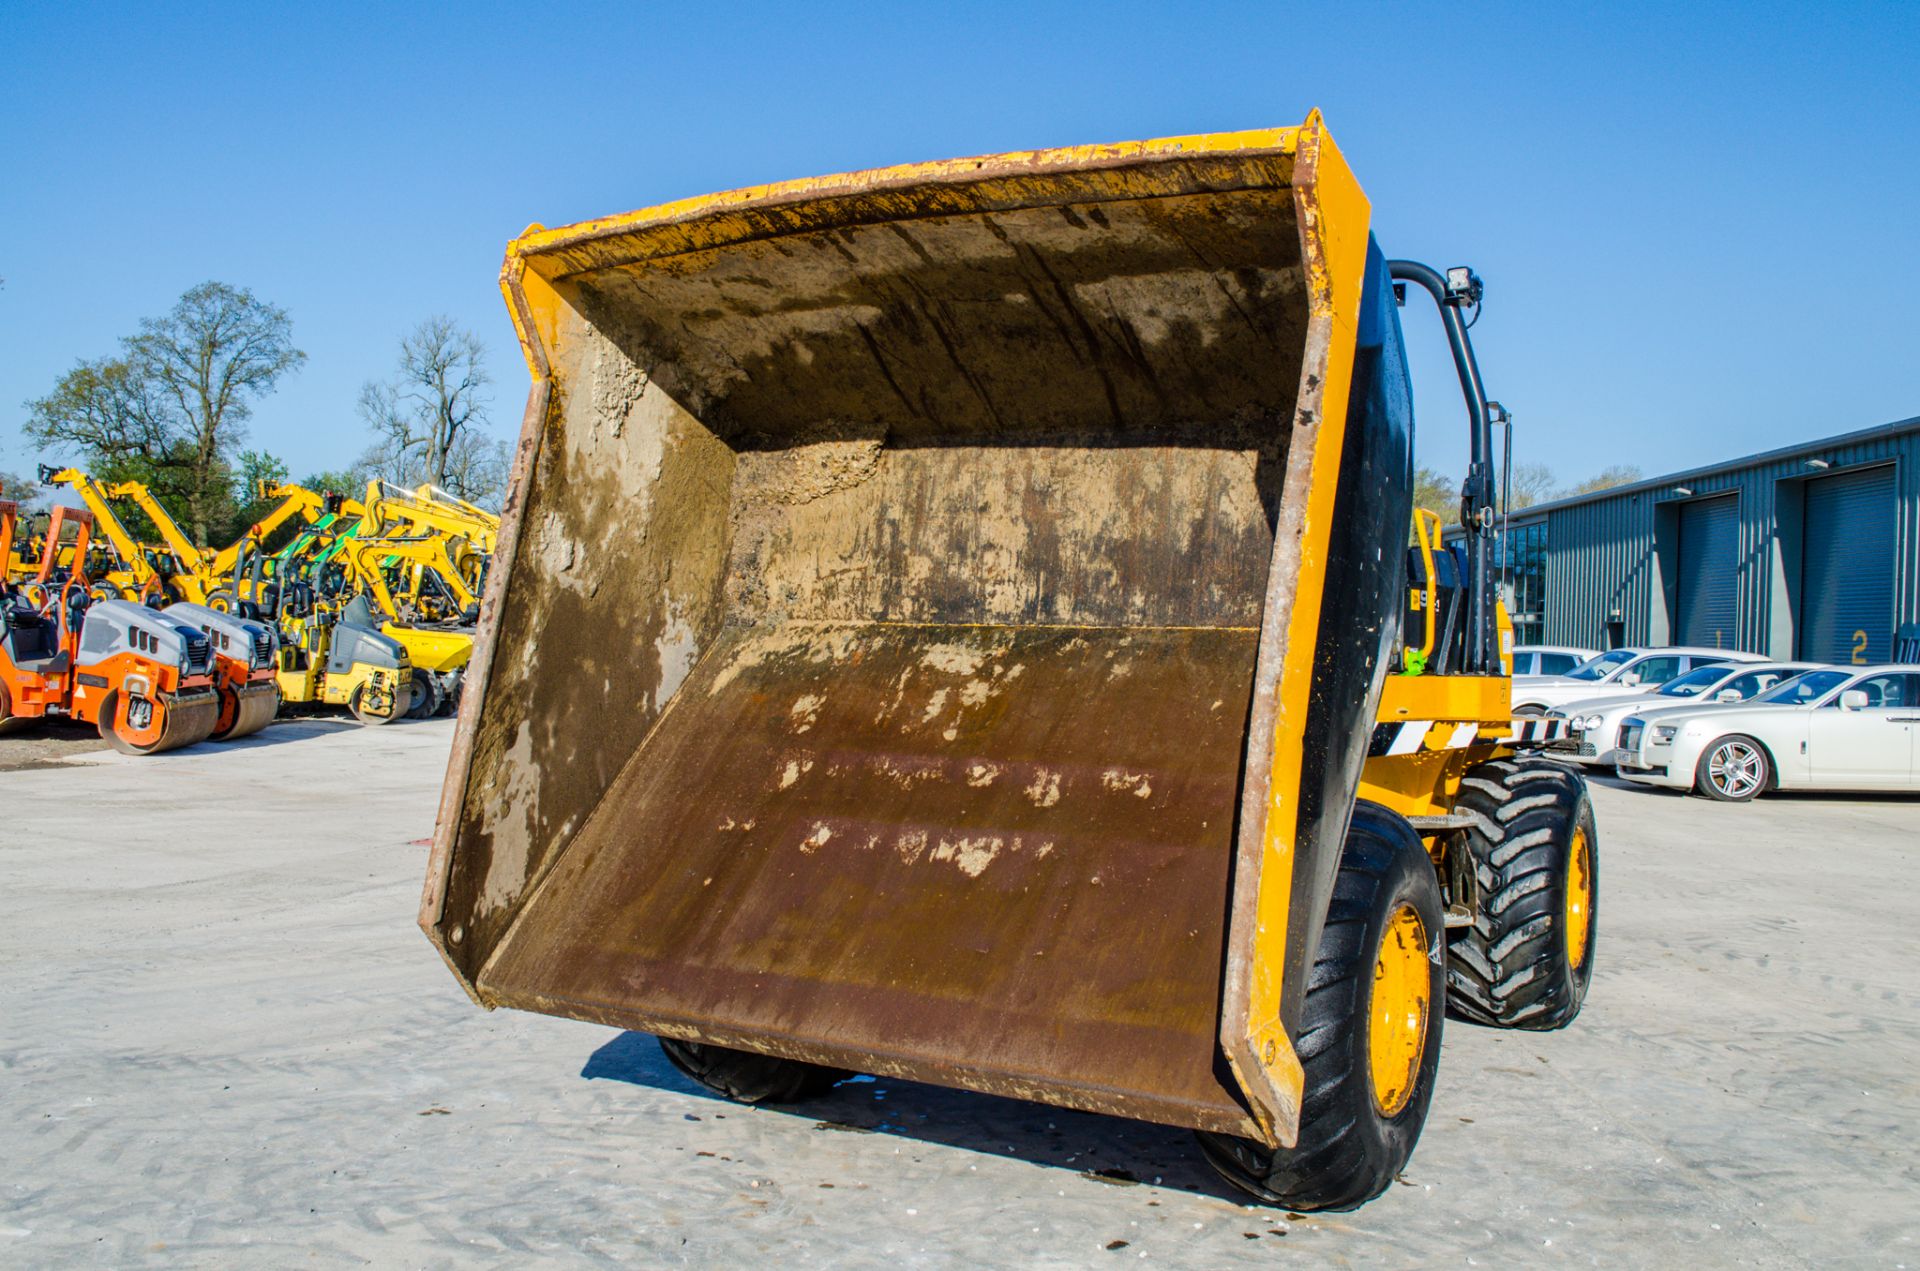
(1579, 898)
(1397, 1013)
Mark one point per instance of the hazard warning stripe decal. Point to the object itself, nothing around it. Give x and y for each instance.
(1410, 737)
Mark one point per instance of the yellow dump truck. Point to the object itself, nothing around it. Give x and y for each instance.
(953, 622)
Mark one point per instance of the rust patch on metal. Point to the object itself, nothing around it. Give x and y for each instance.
(989, 857)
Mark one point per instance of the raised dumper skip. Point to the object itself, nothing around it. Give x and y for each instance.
(948, 623)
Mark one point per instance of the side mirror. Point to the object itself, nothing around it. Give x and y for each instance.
(1630, 679)
(1853, 700)
(1728, 695)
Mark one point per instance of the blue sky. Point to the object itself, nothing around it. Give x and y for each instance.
(1696, 223)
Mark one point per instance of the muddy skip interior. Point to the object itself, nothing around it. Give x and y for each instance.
(913, 571)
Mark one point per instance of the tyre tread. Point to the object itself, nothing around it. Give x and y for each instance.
(1507, 969)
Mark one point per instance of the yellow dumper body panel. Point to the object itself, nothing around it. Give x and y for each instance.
(903, 627)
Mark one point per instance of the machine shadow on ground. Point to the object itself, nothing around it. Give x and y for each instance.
(51, 743)
(284, 730)
(1110, 1150)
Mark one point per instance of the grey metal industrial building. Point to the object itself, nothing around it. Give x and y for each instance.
(1811, 551)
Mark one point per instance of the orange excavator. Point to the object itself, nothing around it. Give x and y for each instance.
(145, 680)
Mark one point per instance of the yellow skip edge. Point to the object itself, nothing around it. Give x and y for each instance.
(1334, 220)
(532, 277)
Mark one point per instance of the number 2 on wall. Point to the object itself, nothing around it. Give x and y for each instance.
(1859, 648)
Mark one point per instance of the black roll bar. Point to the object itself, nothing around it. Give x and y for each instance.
(1454, 291)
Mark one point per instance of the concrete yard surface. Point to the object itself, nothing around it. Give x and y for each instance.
(223, 1042)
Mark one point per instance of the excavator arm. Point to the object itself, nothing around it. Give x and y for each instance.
(176, 539)
(390, 507)
(295, 501)
(97, 497)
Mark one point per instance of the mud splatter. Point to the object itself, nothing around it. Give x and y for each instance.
(1044, 790)
(806, 712)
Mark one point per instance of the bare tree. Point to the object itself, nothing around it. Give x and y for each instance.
(1532, 483)
(477, 470)
(428, 417)
(218, 351)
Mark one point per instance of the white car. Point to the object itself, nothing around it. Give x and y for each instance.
(1593, 724)
(1853, 728)
(1549, 659)
(1616, 673)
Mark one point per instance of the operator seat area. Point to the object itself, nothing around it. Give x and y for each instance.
(31, 640)
(1449, 606)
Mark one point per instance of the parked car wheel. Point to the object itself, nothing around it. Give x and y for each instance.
(1733, 770)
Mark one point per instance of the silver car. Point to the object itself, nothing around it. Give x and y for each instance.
(1593, 725)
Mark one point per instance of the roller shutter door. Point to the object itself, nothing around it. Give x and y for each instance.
(1709, 572)
(1846, 571)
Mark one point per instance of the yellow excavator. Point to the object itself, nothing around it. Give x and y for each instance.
(138, 571)
(461, 542)
(389, 505)
(177, 567)
(954, 625)
(233, 579)
(413, 576)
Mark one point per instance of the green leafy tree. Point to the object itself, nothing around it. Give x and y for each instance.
(1435, 492)
(18, 489)
(350, 481)
(253, 468)
(171, 411)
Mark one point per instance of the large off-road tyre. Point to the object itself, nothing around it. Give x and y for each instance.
(1733, 769)
(1369, 1036)
(1527, 959)
(746, 1077)
(423, 696)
